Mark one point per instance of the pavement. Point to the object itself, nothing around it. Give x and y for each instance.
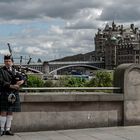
(108, 133)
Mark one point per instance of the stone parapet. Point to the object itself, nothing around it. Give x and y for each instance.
(69, 97)
(69, 110)
(53, 111)
(127, 76)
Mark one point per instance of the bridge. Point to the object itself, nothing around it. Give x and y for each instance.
(62, 67)
(26, 68)
(80, 66)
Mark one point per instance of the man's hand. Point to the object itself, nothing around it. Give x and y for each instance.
(14, 86)
(20, 82)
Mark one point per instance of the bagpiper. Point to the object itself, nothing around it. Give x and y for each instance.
(10, 82)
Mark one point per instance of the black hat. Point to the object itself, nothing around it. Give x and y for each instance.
(8, 57)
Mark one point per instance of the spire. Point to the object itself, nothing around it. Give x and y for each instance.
(113, 25)
(106, 27)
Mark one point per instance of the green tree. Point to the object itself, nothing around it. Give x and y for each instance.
(48, 83)
(69, 81)
(101, 79)
(74, 82)
(34, 81)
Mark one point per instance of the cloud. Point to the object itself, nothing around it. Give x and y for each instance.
(39, 9)
(4, 52)
(50, 29)
(68, 10)
(124, 11)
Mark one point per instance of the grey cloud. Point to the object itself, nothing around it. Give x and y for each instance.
(29, 9)
(68, 43)
(74, 38)
(65, 9)
(68, 9)
(7, 1)
(82, 25)
(126, 11)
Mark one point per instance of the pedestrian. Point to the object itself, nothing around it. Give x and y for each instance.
(10, 82)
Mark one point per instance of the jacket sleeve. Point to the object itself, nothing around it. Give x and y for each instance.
(3, 83)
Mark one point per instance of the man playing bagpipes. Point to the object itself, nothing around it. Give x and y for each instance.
(10, 82)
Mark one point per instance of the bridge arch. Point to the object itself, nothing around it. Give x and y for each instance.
(31, 69)
(80, 65)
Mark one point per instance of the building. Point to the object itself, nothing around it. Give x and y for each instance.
(117, 45)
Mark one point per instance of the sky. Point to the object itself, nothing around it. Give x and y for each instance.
(52, 29)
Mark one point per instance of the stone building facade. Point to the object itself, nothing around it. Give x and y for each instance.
(117, 45)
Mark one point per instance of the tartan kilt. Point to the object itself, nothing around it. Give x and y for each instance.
(5, 106)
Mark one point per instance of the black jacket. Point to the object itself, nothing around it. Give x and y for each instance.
(8, 78)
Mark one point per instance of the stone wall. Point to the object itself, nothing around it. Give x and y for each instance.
(68, 110)
(53, 111)
(130, 83)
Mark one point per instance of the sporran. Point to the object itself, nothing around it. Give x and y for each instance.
(11, 98)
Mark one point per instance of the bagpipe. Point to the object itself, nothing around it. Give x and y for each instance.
(20, 71)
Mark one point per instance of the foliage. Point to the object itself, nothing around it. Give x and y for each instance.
(101, 79)
(34, 81)
(69, 81)
(48, 83)
(74, 82)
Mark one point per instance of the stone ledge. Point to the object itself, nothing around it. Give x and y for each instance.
(70, 97)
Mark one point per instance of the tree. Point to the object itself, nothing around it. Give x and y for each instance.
(70, 81)
(48, 83)
(34, 81)
(101, 79)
